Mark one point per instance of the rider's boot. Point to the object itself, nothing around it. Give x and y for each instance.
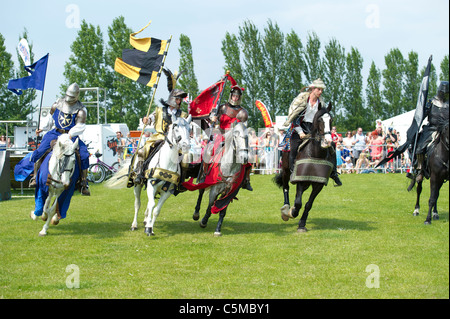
(139, 179)
(246, 183)
(38, 163)
(420, 167)
(84, 184)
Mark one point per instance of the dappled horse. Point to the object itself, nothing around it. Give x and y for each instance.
(226, 174)
(313, 167)
(56, 181)
(162, 173)
(437, 164)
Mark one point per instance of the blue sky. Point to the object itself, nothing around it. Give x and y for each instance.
(373, 27)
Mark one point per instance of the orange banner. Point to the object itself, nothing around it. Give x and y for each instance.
(265, 113)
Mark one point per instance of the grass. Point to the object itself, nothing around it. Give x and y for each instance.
(367, 221)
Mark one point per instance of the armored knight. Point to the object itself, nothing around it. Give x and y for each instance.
(68, 116)
(437, 111)
(162, 118)
(229, 113)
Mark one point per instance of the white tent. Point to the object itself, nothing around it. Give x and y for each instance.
(401, 123)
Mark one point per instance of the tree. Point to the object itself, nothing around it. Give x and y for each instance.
(412, 81)
(393, 82)
(128, 100)
(188, 81)
(253, 68)
(7, 103)
(295, 67)
(274, 70)
(334, 75)
(313, 61)
(443, 76)
(356, 115)
(86, 65)
(374, 101)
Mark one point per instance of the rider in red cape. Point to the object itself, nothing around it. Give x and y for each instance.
(226, 115)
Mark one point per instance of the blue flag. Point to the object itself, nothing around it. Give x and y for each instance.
(36, 80)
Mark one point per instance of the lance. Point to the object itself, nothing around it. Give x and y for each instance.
(215, 110)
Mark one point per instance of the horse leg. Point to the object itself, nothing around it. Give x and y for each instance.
(285, 173)
(49, 211)
(137, 205)
(149, 227)
(222, 214)
(419, 191)
(205, 218)
(213, 193)
(315, 191)
(295, 210)
(196, 215)
(435, 186)
(151, 193)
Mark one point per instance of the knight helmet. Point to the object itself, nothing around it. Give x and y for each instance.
(235, 90)
(443, 91)
(72, 93)
(173, 93)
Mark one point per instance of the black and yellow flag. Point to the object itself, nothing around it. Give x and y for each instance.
(143, 63)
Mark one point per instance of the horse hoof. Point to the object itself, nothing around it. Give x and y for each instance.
(285, 212)
(149, 231)
(302, 230)
(196, 216)
(55, 221)
(435, 217)
(202, 225)
(33, 216)
(427, 222)
(217, 234)
(133, 228)
(42, 234)
(44, 217)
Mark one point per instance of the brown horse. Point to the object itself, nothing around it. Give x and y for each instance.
(314, 163)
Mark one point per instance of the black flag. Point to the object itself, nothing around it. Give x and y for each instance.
(411, 134)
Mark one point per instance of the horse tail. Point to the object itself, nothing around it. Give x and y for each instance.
(119, 179)
(413, 183)
(278, 179)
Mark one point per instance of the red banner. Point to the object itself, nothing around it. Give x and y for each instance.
(203, 104)
(265, 113)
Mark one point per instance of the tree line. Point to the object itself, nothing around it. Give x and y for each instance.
(272, 67)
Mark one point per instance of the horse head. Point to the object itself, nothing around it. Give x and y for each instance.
(179, 132)
(240, 143)
(322, 126)
(62, 163)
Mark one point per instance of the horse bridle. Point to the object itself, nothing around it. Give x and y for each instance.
(62, 167)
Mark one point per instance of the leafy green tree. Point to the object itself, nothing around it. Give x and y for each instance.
(443, 76)
(128, 100)
(188, 81)
(356, 114)
(312, 58)
(7, 103)
(334, 75)
(412, 81)
(86, 65)
(274, 70)
(374, 100)
(232, 54)
(295, 67)
(253, 68)
(393, 82)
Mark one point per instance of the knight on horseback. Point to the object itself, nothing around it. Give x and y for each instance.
(68, 116)
(437, 111)
(227, 114)
(162, 118)
(300, 118)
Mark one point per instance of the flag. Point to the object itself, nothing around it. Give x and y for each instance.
(203, 104)
(265, 113)
(24, 51)
(36, 80)
(411, 133)
(143, 63)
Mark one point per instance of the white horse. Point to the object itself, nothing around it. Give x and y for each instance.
(163, 168)
(61, 167)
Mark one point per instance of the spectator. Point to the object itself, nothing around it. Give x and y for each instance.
(253, 143)
(334, 135)
(362, 163)
(349, 165)
(3, 143)
(120, 146)
(359, 144)
(339, 158)
(376, 147)
(347, 141)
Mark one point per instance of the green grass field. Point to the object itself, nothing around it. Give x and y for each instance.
(368, 221)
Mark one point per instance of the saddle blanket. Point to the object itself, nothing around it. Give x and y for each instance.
(311, 170)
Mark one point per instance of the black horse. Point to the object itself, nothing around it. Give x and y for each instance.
(313, 167)
(437, 164)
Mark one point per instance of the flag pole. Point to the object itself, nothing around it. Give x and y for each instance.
(153, 95)
(42, 95)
